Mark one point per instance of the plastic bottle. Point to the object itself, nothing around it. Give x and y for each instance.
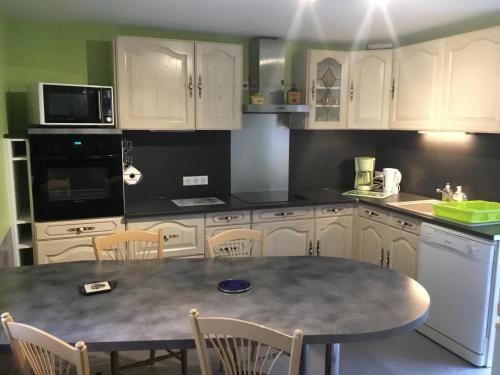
(459, 195)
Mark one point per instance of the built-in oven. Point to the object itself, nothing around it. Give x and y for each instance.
(76, 174)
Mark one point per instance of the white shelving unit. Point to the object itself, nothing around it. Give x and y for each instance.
(18, 173)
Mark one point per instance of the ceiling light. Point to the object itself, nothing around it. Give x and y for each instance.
(379, 3)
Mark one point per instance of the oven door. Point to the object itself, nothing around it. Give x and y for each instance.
(76, 177)
(78, 105)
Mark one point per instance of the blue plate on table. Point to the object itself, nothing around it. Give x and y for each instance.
(234, 286)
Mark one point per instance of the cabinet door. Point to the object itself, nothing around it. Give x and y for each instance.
(327, 89)
(218, 86)
(154, 83)
(369, 89)
(403, 250)
(334, 236)
(66, 250)
(184, 234)
(472, 82)
(417, 86)
(372, 239)
(293, 237)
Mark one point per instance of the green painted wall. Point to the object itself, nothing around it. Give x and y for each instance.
(68, 53)
(4, 203)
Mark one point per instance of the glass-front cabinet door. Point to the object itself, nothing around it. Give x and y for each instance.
(328, 72)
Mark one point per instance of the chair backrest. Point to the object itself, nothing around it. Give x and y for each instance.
(129, 245)
(39, 353)
(237, 243)
(244, 347)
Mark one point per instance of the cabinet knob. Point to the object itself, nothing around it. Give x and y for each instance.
(311, 248)
(388, 259)
(382, 258)
(317, 248)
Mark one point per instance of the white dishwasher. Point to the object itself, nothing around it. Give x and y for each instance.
(459, 271)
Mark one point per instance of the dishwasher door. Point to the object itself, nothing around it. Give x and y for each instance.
(457, 271)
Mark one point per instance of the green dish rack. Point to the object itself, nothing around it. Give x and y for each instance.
(469, 212)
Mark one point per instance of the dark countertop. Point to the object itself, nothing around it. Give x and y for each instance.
(163, 205)
(136, 208)
(332, 300)
(489, 232)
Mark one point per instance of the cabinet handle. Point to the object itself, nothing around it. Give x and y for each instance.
(388, 259)
(382, 258)
(288, 213)
(351, 91)
(317, 248)
(190, 86)
(81, 229)
(199, 86)
(313, 90)
(169, 236)
(393, 88)
(406, 224)
(311, 248)
(372, 213)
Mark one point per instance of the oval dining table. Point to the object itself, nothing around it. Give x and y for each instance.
(332, 300)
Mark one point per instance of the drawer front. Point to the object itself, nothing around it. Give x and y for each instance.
(405, 223)
(77, 228)
(283, 213)
(66, 250)
(184, 234)
(374, 214)
(227, 218)
(333, 210)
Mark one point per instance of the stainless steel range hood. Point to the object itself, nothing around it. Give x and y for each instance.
(267, 75)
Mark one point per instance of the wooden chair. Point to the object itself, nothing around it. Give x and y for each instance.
(37, 352)
(136, 245)
(237, 243)
(244, 347)
(129, 245)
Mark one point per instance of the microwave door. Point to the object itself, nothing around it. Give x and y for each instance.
(72, 105)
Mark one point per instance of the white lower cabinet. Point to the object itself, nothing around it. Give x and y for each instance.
(219, 222)
(388, 239)
(286, 238)
(333, 237)
(68, 241)
(184, 234)
(402, 252)
(66, 250)
(371, 241)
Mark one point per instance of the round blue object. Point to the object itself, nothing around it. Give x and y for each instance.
(234, 286)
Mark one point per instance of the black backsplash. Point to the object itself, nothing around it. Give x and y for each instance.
(427, 162)
(165, 157)
(325, 158)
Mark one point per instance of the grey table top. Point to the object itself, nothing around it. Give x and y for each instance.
(332, 300)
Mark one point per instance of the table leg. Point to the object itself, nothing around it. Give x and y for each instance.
(304, 360)
(115, 363)
(332, 359)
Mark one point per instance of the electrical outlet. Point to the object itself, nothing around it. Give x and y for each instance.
(194, 180)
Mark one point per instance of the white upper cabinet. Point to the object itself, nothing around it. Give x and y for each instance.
(369, 89)
(321, 76)
(218, 85)
(472, 82)
(417, 86)
(154, 83)
(328, 75)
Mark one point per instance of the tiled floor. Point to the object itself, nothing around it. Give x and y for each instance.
(412, 354)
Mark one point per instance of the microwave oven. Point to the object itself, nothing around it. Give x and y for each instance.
(55, 104)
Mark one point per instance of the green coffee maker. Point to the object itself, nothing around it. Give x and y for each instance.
(364, 168)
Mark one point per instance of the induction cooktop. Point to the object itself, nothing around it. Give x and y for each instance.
(276, 196)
